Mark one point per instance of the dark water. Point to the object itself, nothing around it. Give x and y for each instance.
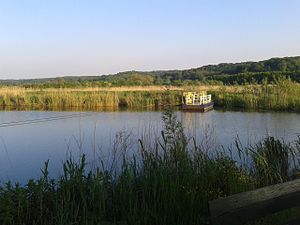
(28, 138)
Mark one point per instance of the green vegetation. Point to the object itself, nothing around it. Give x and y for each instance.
(168, 183)
(282, 96)
(171, 179)
(88, 99)
(225, 73)
(267, 85)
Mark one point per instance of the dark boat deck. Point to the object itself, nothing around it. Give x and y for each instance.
(198, 108)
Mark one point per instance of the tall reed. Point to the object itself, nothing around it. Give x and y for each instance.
(280, 96)
(168, 183)
(88, 100)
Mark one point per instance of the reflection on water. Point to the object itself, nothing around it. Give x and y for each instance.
(28, 138)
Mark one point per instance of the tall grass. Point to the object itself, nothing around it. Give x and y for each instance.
(280, 96)
(88, 99)
(168, 183)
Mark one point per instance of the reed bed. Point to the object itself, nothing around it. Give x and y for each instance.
(89, 99)
(169, 181)
(280, 96)
(4, 89)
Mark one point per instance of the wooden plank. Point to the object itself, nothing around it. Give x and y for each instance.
(293, 222)
(243, 207)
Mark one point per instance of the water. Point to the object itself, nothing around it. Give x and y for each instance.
(29, 138)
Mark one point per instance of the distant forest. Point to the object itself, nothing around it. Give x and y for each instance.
(267, 71)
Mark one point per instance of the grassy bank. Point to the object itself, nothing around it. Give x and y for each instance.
(87, 99)
(169, 181)
(283, 95)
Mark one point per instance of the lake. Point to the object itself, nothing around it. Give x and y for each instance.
(29, 138)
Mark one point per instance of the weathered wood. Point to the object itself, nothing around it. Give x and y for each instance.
(293, 222)
(243, 207)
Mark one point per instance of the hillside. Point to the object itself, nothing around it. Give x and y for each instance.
(226, 73)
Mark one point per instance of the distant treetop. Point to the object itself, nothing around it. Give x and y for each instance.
(225, 73)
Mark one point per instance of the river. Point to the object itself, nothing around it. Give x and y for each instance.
(29, 138)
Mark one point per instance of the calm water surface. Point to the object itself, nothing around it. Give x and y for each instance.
(29, 138)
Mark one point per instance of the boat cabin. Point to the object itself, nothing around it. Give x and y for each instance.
(196, 101)
(196, 98)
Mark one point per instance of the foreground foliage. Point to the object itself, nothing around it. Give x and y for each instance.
(168, 183)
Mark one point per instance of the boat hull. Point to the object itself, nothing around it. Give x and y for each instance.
(198, 108)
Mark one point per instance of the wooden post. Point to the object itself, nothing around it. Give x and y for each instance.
(244, 207)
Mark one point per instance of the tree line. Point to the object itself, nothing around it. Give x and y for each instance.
(225, 73)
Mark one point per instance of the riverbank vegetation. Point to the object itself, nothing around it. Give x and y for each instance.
(266, 85)
(282, 95)
(168, 181)
(86, 99)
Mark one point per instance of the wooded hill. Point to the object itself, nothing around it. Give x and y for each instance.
(225, 73)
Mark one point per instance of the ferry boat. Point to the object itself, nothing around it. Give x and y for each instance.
(196, 101)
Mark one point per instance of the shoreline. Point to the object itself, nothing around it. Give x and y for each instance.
(280, 97)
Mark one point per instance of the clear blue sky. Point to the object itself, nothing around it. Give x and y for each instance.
(45, 38)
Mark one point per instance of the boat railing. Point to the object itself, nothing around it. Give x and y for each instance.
(194, 98)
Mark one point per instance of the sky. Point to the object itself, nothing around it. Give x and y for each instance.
(51, 38)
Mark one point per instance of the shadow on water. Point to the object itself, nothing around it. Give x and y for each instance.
(79, 109)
